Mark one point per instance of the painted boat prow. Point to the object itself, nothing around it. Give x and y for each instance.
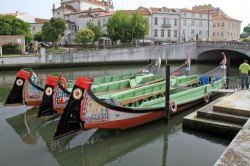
(70, 120)
(16, 94)
(46, 107)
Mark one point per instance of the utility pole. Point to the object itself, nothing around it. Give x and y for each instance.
(208, 19)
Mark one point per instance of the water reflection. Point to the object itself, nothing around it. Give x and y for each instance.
(26, 125)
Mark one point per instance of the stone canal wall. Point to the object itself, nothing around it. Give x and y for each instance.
(135, 55)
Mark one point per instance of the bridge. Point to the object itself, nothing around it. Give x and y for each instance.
(234, 50)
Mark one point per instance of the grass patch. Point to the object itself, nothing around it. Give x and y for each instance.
(54, 51)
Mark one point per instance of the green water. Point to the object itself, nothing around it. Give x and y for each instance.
(26, 140)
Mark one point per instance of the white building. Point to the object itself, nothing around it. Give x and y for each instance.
(77, 14)
(195, 25)
(35, 23)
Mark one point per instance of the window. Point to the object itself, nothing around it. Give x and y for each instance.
(175, 22)
(169, 33)
(156, 21)
(200, 15)
(221, 34)
(214, 25)
(33, 28)
(155, 33)
(200, 23)
(218, 24)
(200, 32)
(162, 33)
(222, 24)
(184, 14)
(192, 14)
(104, 22)
(168, 21)
(164, 21)
(184, 32)
(213, 33)
(218, 33)
(99, 23)
(175, 33)
(192, 32)
(192, 23)
(229, 25)
(184, 22)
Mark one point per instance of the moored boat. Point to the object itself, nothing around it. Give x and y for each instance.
(25, 90)
(135, 107)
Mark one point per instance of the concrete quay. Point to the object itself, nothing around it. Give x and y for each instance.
(227, 116)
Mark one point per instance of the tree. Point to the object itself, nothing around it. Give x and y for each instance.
(97, 31)
(246, 32)
(84, 36)
(53, 30)
(118, 27)
(138, 26)
(10, 25)
(38, 36)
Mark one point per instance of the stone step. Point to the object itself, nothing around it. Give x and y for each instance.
(231, 110)
(222, 116)
(210, 125)
(236, 103)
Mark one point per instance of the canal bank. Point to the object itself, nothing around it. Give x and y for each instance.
(101, 57)
(227, 116)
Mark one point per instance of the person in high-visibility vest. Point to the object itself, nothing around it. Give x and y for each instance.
(244, 69)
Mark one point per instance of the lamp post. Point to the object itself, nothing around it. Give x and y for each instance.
(208, 19)
(69, 39)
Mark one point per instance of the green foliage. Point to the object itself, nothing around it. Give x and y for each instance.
(84, 36)
(125, 28)
(55, 51)
(97, 31)
(138, 26)
(53, 30)
(246, 40)
(38, 36)
(10, 25)
(118, 27)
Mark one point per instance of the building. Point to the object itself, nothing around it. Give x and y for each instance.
(165, 25)
(225, 28)
(195, 25)
(35, 23)
(78, 13)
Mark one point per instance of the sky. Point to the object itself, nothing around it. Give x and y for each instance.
(238, 9)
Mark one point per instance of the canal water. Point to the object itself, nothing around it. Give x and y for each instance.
(26, 140)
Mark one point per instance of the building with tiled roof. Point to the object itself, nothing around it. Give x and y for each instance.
(224, 27)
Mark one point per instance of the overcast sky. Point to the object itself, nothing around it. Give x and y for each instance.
(238, 9)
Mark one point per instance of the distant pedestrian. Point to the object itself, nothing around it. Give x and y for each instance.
(244, 69)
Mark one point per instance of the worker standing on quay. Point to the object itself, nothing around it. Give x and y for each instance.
(244, 69)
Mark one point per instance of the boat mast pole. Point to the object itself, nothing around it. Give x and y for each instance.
(227, 70)
(167, 112)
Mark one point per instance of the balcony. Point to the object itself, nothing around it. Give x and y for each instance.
(166, 25)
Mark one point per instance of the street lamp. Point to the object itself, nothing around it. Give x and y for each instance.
(208, 17)
(69, 39)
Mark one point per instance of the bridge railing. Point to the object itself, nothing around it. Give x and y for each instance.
(223, 44)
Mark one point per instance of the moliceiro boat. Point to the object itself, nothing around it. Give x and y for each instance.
(137, 106)
(56, 96)
(51, 86)
(25, 90)
(104, 86)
